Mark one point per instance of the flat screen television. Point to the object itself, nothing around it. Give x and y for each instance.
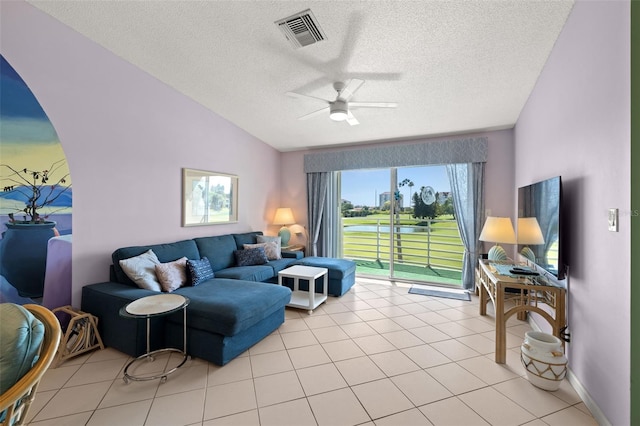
(543, 201)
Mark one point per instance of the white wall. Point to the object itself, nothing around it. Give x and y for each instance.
(577, 124)
(126, 137)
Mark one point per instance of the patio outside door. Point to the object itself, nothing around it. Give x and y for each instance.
(399, 223)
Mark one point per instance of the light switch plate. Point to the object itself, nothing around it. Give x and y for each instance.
(613, 220)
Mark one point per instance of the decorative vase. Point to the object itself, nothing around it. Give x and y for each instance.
(542, 357)
(23, 255)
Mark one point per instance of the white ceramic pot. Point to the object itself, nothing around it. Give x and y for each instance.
(542, 357)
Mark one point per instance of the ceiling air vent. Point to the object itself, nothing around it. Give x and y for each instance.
(301, 29)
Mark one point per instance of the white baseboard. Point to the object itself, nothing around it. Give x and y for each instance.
(597, 414)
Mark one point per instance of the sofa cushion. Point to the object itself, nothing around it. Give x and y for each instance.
(164, 252)
(280, 264)
(199, 271)
(21, 335)
(227, 306)
(142, 270)
(172, 275)
(246, 238)
(218, 249)
(247, 273)
(338, 268)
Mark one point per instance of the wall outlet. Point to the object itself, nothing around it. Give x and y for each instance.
(613, 220)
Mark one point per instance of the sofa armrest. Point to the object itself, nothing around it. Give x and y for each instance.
(292, 254)
(127, 335)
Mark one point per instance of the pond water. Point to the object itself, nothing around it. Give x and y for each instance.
(383, 229)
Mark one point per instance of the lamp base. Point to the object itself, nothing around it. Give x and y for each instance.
(497, 253)
(285, 236)
(528, 253)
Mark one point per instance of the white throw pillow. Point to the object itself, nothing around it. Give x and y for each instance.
(142, 270)
(269, 239)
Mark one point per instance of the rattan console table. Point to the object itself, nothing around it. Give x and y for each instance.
(531, 295)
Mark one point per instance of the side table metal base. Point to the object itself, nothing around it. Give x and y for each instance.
(150, 358)
(154, 306)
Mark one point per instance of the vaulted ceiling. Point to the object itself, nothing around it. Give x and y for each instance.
(451, 66)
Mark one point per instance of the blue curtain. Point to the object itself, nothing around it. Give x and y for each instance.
(467, 186)
(323, 213)
(316, 199)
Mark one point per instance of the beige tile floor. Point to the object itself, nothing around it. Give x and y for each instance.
(376, 356)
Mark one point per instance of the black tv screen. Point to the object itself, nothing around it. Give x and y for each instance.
(543, 200)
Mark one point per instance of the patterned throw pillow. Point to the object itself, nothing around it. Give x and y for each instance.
(270, 239)
(270, 248)
(172, 275)
(142, 270)
(250, 257)
(200, 271)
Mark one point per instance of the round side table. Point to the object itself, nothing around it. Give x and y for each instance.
(151, 307)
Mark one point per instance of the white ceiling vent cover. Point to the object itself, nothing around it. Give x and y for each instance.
(301, 29)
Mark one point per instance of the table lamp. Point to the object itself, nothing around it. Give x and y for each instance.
(529, 233)
(284, 217)
(498, 230)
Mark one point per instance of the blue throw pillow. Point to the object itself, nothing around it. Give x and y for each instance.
(250, 257)
(199, 271)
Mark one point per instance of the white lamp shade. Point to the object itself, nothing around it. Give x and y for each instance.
(498, 230)
(529, 231)
(284, 216)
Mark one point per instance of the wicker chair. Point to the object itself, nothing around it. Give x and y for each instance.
(17, 399)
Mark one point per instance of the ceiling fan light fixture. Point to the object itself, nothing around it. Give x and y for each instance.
(338, 111)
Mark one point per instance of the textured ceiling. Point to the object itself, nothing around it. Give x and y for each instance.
(452, 66)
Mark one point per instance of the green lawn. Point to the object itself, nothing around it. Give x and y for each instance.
(430, 254)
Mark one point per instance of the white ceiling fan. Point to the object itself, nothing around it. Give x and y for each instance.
(340, 108)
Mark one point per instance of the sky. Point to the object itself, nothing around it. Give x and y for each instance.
(363, 187)
(27, 140)
(27, 137)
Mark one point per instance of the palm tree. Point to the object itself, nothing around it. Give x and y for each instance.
(410, 184)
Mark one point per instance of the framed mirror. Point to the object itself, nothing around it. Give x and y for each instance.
(208, 198)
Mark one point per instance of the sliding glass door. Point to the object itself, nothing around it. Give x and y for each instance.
(399, 223)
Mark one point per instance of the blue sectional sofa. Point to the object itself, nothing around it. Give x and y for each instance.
(227, 314)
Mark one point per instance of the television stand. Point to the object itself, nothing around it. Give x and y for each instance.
(531, 296)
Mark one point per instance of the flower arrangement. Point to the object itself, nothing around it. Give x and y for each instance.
(36, 188)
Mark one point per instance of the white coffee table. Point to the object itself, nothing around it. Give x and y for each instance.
(151, 307)
(308, 300)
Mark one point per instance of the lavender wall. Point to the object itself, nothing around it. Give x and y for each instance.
(577, 124)
(498, 174)
(127, 136)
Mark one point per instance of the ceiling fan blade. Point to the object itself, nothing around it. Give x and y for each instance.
(351, 88)
(351, 119)
(373, 104)
(314, 113)
(300, 96)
